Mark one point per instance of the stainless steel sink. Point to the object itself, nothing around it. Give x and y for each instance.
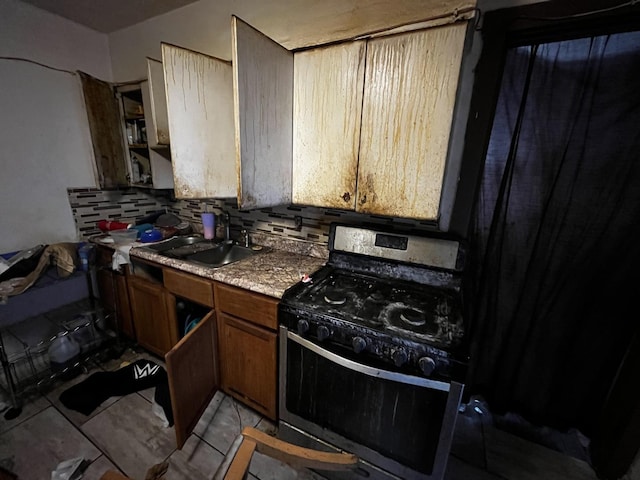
(181, 247)
(196, 249)
(222, 254)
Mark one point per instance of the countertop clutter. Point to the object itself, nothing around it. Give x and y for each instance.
(270, 273)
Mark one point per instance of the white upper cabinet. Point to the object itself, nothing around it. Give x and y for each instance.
(327, 108)
(409, 97)
(263, 104)
(199, 91)
(361, 125)
(156, 112)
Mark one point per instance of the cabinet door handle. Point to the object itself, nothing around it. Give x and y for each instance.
(363, 199)
(346, 196)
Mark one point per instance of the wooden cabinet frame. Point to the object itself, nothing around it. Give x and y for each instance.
(247, 334)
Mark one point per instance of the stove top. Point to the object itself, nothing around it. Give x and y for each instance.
(414, 311)
(385, 297)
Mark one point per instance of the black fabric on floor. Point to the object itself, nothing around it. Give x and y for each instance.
(87, 395)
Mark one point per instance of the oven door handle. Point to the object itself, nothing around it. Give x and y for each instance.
(367, 370)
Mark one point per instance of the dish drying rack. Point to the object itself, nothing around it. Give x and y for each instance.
(34, 323)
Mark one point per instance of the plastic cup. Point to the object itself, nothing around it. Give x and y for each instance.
(209, 224)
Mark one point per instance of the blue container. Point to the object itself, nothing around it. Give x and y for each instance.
(86, 252)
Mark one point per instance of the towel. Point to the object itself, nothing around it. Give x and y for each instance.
(121, 257)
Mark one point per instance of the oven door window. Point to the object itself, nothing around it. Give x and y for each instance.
(398, 420)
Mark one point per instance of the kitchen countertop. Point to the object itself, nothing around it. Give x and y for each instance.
(269, 273)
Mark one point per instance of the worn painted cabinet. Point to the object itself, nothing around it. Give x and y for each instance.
(371, 120)
(156, 111)
(148, 168)
(327, 110)
(409, 98)
(159, 155)
(263, 97)
(199, 91)
(118, 120)
(375, 138)
(105, 126)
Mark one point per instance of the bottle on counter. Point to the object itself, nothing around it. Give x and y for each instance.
(108, 225)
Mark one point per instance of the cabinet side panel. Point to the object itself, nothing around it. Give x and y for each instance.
(263, 89)
(409, 98)
(159, 134)
(327, 107)
(199, 93)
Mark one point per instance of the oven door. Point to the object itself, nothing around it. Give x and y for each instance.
(400, 423)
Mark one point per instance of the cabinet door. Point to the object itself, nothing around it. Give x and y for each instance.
(263, 105)
(327, 107)
(156, 108)
(105, 126)
(409, 97)
(150, 307)
(199, 93)
(192, 367)
(249, 369)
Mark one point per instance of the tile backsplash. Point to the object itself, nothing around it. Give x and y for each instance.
(294, 222)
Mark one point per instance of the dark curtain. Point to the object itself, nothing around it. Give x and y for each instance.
(555, 250)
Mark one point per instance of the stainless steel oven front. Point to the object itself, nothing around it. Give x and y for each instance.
(399, 425)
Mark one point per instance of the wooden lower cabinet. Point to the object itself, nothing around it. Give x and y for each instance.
(191, 360)
(113, 293)
(233, 347)
(152, 308)
(249, 368)
(247, 339)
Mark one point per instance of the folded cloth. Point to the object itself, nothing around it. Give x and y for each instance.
(121, 256)
(87, 395)
(63, 256)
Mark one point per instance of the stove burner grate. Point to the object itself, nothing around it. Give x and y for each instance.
(413, 317)
(334, 297)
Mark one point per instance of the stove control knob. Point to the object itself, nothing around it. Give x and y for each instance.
(399, 357)
(359, 344)
(323, 333)
(427, 365)
(303, 327)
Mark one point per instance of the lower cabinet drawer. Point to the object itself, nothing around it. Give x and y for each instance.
(249, 363)
(251, 306)
(196, 289)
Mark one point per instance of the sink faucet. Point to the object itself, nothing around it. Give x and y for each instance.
(227, 225)
(244, 236)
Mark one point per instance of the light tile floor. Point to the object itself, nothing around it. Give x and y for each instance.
(124, 434)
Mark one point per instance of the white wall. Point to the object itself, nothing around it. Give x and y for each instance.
(44, 136)
(32, 33)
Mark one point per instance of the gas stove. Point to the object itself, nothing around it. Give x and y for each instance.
(385, 298)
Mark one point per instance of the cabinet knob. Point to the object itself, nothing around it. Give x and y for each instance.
(363, 199)
(346, 196)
